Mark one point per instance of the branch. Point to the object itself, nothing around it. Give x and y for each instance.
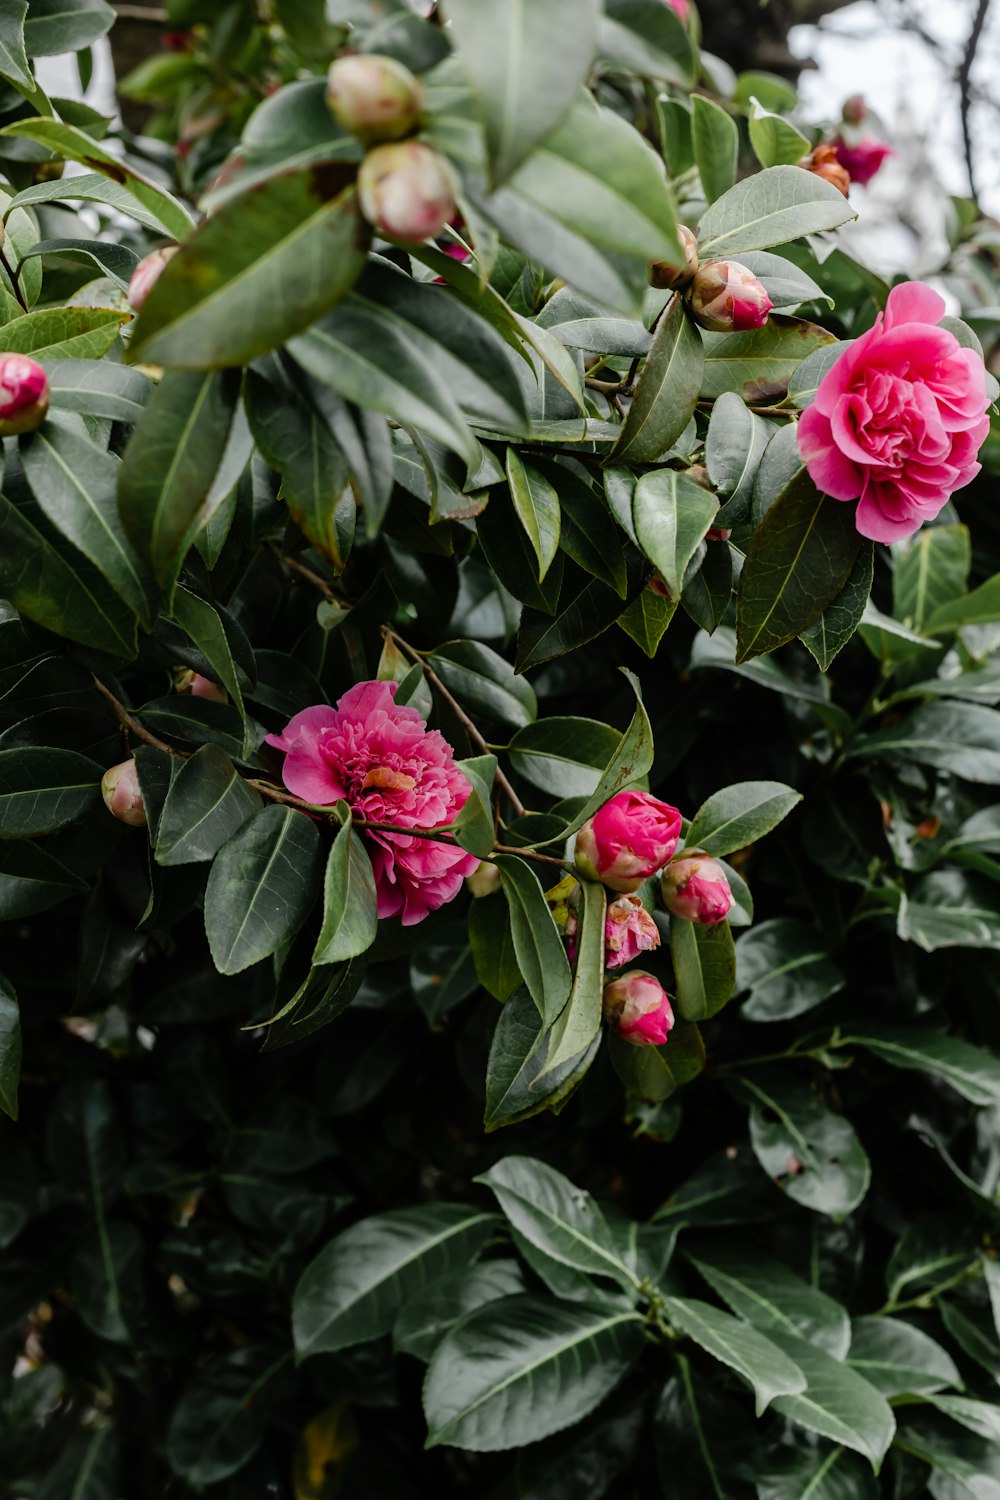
(463, 718)
(132, 725)
(965, 90)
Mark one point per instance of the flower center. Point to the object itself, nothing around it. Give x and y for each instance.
(385, 777)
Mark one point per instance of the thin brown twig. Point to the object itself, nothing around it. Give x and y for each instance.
(463, 718)
(965, 91)
(760, 411)
(131, 723)
(294, 566)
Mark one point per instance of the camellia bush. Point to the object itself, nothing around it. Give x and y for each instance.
(499, 848)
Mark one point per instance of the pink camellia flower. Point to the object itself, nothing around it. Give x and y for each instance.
(24, 394)
(864, 159)
(628, 931)
(407, 190)
(146, 273)
(638, 1008)
(695, 889)
(898, 419)
(630, 838)
(122, 794)
(390, 768)
(725, 297)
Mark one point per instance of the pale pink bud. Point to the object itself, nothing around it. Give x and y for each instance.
(122, 796)
(854, 109)
(374, 97)
(630, 838)
(695, 889)
(628, 931)
(484, 879)
(407, 190)
(639, 1009)
(666, 273)
(146, 273)
(24, 394)
(727, 298)
(199, 687)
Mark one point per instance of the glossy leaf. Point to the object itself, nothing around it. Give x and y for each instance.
(261, 887)
(837, 1402)
(671, 515)
(740, 815)
(538, 945)
(786, 968)
(813, 1155)
(704, 962)
(715, 139)
(668, 388)
(207, 803)
(349, 902)
(897, 1358)
(770, 208)
(10, 1048)
(767, 1294)
(760, 1362)
(42, 790)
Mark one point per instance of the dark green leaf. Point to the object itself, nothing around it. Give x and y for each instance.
(10, 1048)
(516, 1063)
(428, 1315)
(740, 815)
(485, 682)
(785, 966)
(761, 1363)
(538, 945)
(206, 804)
(671, 515)
(812, 1154)
(668, 388)
(41, 790)
(261, 887)
(704, 962)
(828, 636)
(770, 208)
(716, 140)
(897, 1358)
(349, 920)
(770, 1296)
(758, 366)
(837, 1403)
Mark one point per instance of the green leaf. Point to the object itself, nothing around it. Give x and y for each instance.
(667, 391)
(256, 272)
(816, 1473)
(41, 790)
(775, 142)
(507, 51)
(75, 145)
(87, 1467)
(770, 208)
(950, 909)
(203, 625)
(207, 803)
(586, 607)
(55, 26)
(537, 505)
(107, 1281)
(356, 1286)
(13, 58)
(165, 482)
(971, 1071)
(786, 283)
(517, 1062)
(220, 1420)
(963, 738)
(648, 38)
(564, 757)
(538, 944)
(740, 815)
(517, 1370)
(32, 880)
(349, 902)
(474, 826)
(800, 558)
(981, 607)
(653, 1074)
(261, 887)
(704, 962)
(828, 635)
(629, 764)
(73, 482)
(671, 515)
(432, 1313)
(63, 332)
(814, 1156)
(706, 1442)
(98, 389)
(734, 447)
(785, 966)
(10, 1048)
(734, 1343)
(836, 1402)
(485, 682)
(757, 366)
(557, 1217)
(716, 140)
(897, 1358)
(579, 1024)
(931, 570)
(770, 1296)
(90, 187)
(492, 947)
(647, 619)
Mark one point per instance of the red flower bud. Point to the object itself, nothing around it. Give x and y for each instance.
(629, 839)
(407, 190)
(24, 394)
(695, 889)
(122, 796)
(718, 534)
(146, 274)
(854, 109)
(376, 98)
(727, 298)
(639, 1009)
(681, 9)
(665, 273)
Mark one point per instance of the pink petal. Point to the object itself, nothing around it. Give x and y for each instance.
(828, 469)
(914, 302)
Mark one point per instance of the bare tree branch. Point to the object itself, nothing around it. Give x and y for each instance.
(965, 91)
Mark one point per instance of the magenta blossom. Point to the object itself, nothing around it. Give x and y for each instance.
(695, 889)
(899, 418)
(390, 768)
(628, 931)
(861, 162)
(24, 394)
(627, 840)
(638, 1008)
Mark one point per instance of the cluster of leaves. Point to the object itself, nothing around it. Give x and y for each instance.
(233, 1232)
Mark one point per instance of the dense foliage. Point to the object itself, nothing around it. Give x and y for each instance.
(323, 1172)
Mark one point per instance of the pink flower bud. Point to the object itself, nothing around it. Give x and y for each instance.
(695, 889)
(376, 98)
(484, 879)
(146, 273)
(122, 797)
(629, 839)
(726, 298)
(681, 9)
(24, 394)
(718, 534)
(665, 273)
(407, 190)
(628, 931)
(854, 109)
(639, 1009)
(199, 687)
(863, 160)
